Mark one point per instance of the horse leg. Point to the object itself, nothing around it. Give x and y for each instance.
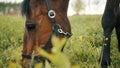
(107, 25)
(117, 28)
(105, 55)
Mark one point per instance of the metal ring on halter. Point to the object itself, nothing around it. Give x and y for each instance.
(51, 13)
(60, 30)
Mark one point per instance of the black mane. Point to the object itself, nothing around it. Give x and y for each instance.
(25, 8)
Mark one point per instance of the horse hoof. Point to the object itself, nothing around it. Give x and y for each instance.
(104, 66)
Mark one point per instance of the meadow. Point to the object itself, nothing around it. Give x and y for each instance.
(83, 48)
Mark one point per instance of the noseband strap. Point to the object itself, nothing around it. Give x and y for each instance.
(38, 58)
(26, 56)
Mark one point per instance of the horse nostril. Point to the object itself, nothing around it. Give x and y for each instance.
(31, 26)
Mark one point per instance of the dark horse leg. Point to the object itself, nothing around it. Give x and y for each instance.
(108, 24)
(117, 27)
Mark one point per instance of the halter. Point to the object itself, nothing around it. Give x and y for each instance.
(57, 30)
(56, 27)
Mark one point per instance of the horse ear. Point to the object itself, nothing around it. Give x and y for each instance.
(25, 7)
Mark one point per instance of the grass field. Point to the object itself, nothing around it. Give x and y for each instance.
(82, 48)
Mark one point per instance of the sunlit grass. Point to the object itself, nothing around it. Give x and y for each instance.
(83, 48)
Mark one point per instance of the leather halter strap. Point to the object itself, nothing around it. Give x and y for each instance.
(51, 15)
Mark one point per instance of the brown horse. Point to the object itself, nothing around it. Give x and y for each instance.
(43, 18)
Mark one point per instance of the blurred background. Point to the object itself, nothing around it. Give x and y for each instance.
(86, 7)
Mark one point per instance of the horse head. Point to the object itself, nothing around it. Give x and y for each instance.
(39, 26)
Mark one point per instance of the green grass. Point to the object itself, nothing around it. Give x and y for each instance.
(11, 34)
(82, 48)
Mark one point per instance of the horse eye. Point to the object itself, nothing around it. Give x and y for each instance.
(31, 26)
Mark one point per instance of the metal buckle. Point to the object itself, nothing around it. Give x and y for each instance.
(62, 32)
(51, 13)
